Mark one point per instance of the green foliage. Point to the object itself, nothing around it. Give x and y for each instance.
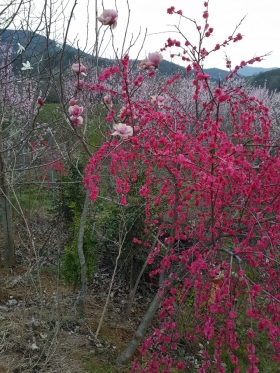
(185, 318)
(100, 364)
(117, 223)
(32, 198)
(49, 112)
(72, 193)
(69, 205)
(270, 79)
(70, 265)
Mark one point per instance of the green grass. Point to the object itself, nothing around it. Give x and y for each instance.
(49, 112)
(32, 198)
(104, 363)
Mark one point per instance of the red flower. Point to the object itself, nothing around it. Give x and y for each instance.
(40, 101)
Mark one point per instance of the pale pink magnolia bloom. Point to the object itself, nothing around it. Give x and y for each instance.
(79, 68)
(108, 100)
(122, 130)
(159, 100)
(108, 18)
(79, 84)
(75, 110)
(77, 121)
(73, 101)
(40, 101)
(152, 62)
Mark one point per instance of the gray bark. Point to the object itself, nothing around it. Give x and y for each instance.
(140, 333)
(146, 322)
(83, 290)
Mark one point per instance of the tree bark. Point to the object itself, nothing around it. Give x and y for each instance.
(83, 290)
(139, 335)
(133, 291)
(7, 222)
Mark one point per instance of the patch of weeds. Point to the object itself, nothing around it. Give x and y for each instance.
(98, 365)
(49, 270)
(70, 263)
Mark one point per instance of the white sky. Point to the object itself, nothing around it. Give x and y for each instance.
(261, 27)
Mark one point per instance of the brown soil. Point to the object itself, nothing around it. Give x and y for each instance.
(40, 330)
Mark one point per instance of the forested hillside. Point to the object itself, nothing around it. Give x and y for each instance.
(268, 79)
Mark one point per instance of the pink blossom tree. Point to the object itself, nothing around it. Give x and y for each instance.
(211, 186)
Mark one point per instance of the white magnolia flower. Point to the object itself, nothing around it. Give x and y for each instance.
(26, 66)
(58, 44)
(20, 48)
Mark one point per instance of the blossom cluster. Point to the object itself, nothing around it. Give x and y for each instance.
(75, 111)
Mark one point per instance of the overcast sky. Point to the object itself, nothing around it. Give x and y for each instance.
(260, 28)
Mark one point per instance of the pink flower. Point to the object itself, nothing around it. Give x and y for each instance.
(108, 100)
(180, 366)
(232, 315)
(109, 118)
(75, 110)
(151, 62)
(171, 10)
(155, 58)
(77, 121)
(115, 69)
(205, 14)
(159, 100)
(202, 76)
(40, 101)
(73, 101)
(122, 130)
(79, 84)
(79, 68)
(108, 18)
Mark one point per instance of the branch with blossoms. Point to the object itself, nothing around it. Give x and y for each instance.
(211, 189)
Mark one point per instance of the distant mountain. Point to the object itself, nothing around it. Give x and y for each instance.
(32, 42)
(217, 74)
(170, 68)
(270, 79)
(251, 70)
(37, 48)
(49, 53)
(243, 72)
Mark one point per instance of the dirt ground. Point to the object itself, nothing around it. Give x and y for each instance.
(40, 328)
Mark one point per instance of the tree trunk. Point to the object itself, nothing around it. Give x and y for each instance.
(7, 223)
(83, 290)
(144, 325)
(133, 291)
(139, 335)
